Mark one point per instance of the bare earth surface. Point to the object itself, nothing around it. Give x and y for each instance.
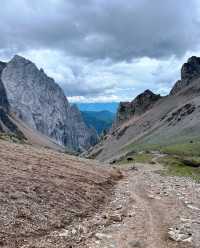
(42, 192)
(49, 199)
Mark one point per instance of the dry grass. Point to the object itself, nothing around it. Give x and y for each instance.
(175, 167)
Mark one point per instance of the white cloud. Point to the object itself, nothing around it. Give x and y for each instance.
(107, 80)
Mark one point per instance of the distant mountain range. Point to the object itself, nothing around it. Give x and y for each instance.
(100, 120)
(109, 106)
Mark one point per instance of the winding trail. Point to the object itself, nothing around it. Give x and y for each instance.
(148, 206)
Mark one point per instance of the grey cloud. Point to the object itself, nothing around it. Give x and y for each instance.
(85, 89)
(99, 29)
(100, 49)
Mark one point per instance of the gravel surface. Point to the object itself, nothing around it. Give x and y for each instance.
(150, 211)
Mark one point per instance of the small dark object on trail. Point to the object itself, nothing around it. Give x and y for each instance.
(130, 159)
(113, 162)
(191, 141)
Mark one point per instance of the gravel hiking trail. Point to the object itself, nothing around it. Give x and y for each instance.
(149, 211)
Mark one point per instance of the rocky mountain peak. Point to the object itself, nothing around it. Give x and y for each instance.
(145, 98)
(20, 58)
(19, 61)
(138, 106)
(39, 102)
(191, 69)
(189, 72)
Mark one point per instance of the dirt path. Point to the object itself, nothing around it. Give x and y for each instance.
(144, 206)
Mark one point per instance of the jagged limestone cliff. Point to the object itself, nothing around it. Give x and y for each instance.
(39, 102)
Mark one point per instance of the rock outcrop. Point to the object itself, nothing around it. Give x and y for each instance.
(3, 97)
(6, 124)
(138, 106)
(39, 102)
(85, 136)
(189, 72)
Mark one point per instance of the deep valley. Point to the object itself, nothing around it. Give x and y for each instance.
(92, 179)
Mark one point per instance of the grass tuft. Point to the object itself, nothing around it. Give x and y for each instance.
(175, 167)
(12, 138)
(184, 149)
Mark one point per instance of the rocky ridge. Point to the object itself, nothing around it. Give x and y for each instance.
(138, 106)
(189, 72)
(152, 120)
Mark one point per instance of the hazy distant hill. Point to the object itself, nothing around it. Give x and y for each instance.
(109, 106)
(100, 120)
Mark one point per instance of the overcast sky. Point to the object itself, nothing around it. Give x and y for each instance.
(103, 50)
